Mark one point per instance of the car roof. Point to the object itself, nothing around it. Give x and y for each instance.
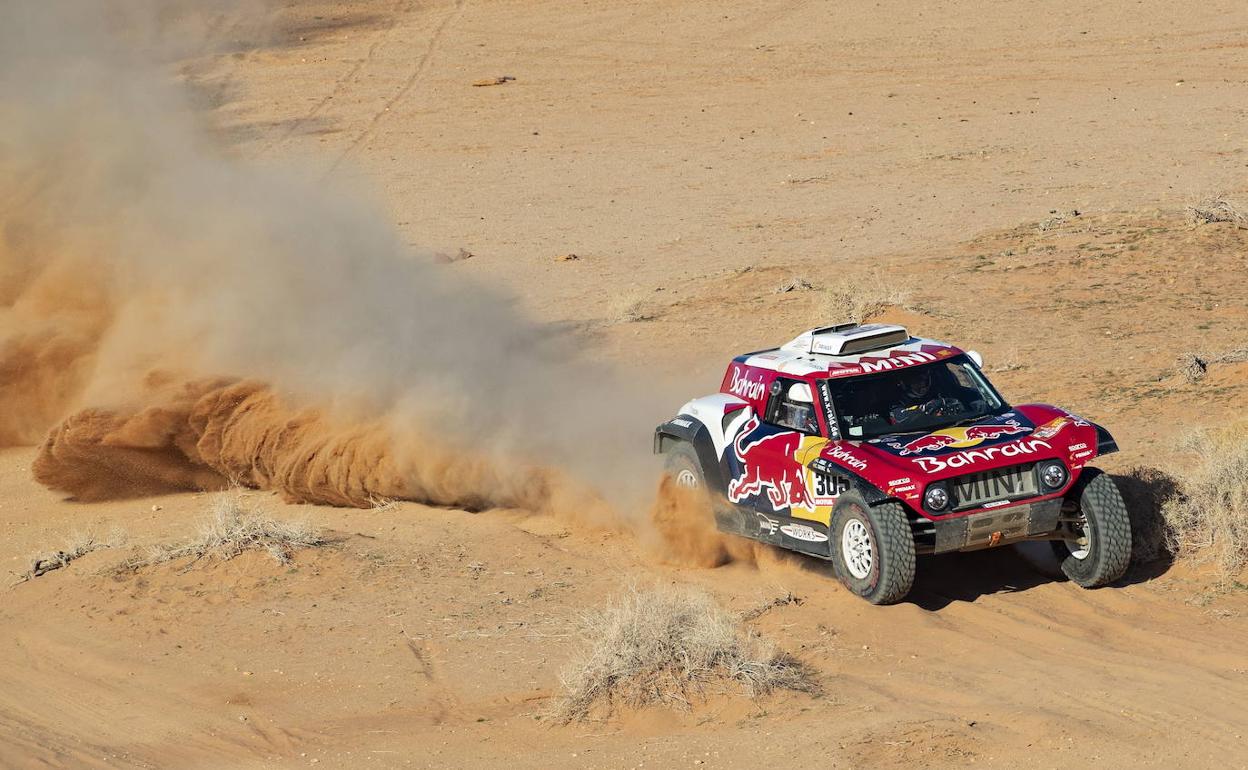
(796, 360)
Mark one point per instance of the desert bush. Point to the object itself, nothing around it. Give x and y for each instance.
(862, 298)
(1193, 366)
(232, 528)
(670, 646)
(1208, 518)
(1218, 210)
(79, 544)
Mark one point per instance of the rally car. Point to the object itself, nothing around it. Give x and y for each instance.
(864, 445)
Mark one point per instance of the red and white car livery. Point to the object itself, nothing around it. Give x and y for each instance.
(864, 445)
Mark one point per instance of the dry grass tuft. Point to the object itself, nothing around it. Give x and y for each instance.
(1006, 362)
(1218, 210)
(861, 299)
(233, 528)
(670, 646)
(80, 544)
(794, 283)
(1193, 366)
(1208, 518)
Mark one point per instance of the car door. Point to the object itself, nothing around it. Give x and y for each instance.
(771, 450)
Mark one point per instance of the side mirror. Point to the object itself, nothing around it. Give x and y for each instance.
(976, 358)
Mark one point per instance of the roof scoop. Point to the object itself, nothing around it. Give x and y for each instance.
(847, 339)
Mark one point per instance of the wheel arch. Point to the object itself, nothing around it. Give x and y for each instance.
(691, 431)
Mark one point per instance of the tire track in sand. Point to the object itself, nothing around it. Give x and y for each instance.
(347, 79)
(422, 65)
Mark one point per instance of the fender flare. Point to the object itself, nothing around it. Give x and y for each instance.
(1105, 444)
(693, 432)
(871, 494)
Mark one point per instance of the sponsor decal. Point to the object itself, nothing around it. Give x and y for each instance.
(1052, 427)
(957, 438)
(682, 422)
(767, 525)
(768, 464)
(1077, 447)
(820, 465)
(894, 362)
(987, 454)
(844, 371)
(906, 488)
(840, 453)
(803, 532)
(825, 395)
(1082, 455)
(745, 387)
(895, 482)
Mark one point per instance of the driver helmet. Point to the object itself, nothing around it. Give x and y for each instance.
(917, 383)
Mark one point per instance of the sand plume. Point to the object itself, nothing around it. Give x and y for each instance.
(207, 434)
(682, 531)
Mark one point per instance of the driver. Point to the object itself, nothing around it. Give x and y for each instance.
(914, 395)
(799, 409)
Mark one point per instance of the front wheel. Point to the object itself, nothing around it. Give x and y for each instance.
(1097, 550)
(873, 549)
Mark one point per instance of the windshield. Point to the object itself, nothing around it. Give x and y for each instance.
(917, 398)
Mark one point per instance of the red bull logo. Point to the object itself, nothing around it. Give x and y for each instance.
(958, 438)
(983, 432)
(930, 442)
(769, 463)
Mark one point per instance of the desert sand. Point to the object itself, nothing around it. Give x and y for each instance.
(1021, 174)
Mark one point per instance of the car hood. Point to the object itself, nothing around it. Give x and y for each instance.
(1023, 434)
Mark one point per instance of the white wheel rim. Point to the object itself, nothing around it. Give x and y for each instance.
(856, 548)
(1081, 547)
(687, 479)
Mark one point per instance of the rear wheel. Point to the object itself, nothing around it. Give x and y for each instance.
(873, 549)
(1097, 550)
(683, 466)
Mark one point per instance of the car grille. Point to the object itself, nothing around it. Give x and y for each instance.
(1012, 483)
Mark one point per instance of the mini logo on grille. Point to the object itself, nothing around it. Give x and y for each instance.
(997, 486)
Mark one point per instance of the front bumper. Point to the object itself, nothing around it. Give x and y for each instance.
(993, 527)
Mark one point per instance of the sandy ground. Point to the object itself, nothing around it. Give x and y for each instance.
(695, 157)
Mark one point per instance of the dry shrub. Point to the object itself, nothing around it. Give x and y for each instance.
(859, 299)
(1218, 210)
(1208, 518)
(79, 544)
(1193, 366)
(794, 283)
(233, 528)
(670, 646)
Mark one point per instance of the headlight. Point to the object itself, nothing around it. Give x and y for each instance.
(1053, 475)
(936, 498)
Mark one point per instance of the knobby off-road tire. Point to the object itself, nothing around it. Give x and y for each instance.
(1108, 551)
(682, 464)
(887, 575)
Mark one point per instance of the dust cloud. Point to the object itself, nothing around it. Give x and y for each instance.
(174, 318)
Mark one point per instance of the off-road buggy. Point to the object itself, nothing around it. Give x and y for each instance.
(866, 446)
